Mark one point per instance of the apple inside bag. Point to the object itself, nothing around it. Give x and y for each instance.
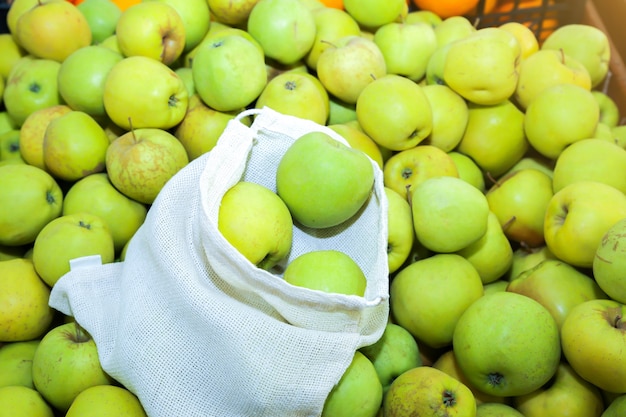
(193, 328)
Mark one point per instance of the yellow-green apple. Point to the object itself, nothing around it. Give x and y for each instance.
(616, 408)
(313, 4)
(331, 24)
(535, 161)
(591, 160)
(483, 67)
(448, 213)
(96, 194)
(578, 216)
(425, 390)
(528, 42)
(559, 116)
(256, 222)
(111, 43)
(10, 146)
(557, 286)
(449, 116)
(196, 19)
(327, 270)
(25, 314)
(447, 363)
(140, 162)
(358, 393)
(497, 410)
(452, 29)
(241, 60)
(619, 135)
(502, 360)
(492, 254)
(17, 9)
(399, 230)
(544, 69)
(468, 170)
(395, 112)
(348, 65)
(494, 136)
(520, 200)
(144, 93)
(495, 286)
(609, 111)
(424, 302)
(52, 30)
(323, 181)
(372, 14)
(30, 86)
(29, 199)
(565, 394)
(284, 28)
(82, 75)
(152, 29)
(67, 237)
(106, 400)
(65, 364)
(74, 146)
(587, 44)
(609, 260)
(592, 336)
(186, 74)
(231, 12)
(394, 353)
(11, 53)
(19, 401)
(33, 130)
(6, 122)
(358, 139)
(16, 363)
(296, 94)
(217, 31)
(525, 258)
(406, 169)
(423, 16)
(604, 132)
(102, 17)
(407, 48)
(339, 111)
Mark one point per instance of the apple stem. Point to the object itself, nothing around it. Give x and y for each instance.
(491, 178)
(618, 321)
(81, 334)
(562, 55)
(508, 223)
(132, 130)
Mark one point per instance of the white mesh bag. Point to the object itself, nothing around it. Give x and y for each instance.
(194, 329)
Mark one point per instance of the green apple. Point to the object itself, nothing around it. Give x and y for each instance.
(483, 67)
(284, 28)
(151, 29)
(186, 74)
(323, 181)
(535, 161)
(19, 401)
(297, 94)
(17, 9)
(231, 12)
(580, 162)
(339, 111)
(11, 53)
(557, 286)
(244, 64)
(394, 353)
(525, 258)
(448, 214)
(30, 86)
(140, 162)
(217, 31)
(526, 38)
(25, 314)
(496, 286)
(430, 295)
(559, 116)
(74, 146)
(504, 360)
(6, 122)
(468, 170)
(578, 216)
(144, 93)
(29, 199)
(497, 410)
(519, 200)
(359, 392)
(102, 17)
(68, 237)
(327, 270)
(609, 112)
(604, 132)
(436, 65)
(585, 43)
(106, 400)
(399, 229)
(82, 75)
(406, 169)
(96, 194)
(615, 408)
(374, 14)
(10, 146)
(423, 16)
(619, 135)
(544, 69)
(16, 363)
(592, 336)
(358, 139)
(450, 115)
(452, 29)
(494, 137)
(196, 18)
(256, 222)
(33, 130)
(407, 48)
(427, 391)
(348, 65)
(608, 263)
(395, 112)
(52, 30)
(65, 364)
(492, 254)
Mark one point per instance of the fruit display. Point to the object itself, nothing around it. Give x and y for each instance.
(490, 127)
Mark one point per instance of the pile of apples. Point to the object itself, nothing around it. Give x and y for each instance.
(504, 165)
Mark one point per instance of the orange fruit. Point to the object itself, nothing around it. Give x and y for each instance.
(336, 4)
(122, 4)
(447, 8)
